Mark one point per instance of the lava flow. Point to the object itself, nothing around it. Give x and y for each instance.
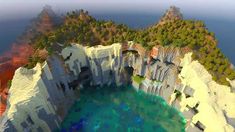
(9, 62)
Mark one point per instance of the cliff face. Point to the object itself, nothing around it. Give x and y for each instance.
(20, 51)
(9, 62)
(212, 104)
(40, 98)
(107, 64)
(100, 62)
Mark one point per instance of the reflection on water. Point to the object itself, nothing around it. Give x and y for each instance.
(110, 109)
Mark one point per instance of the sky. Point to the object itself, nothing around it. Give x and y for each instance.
(219, 15)
(14, 9)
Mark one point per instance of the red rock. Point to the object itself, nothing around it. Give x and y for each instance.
(154, 52)
(9, 62)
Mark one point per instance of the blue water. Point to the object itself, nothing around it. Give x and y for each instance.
(225, 34)
(121, 109)
(9, 31)
(224, 29)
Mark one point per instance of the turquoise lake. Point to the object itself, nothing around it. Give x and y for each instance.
(121, 109)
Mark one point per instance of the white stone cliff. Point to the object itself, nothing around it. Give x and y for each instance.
(100, 60)
(215, 103)
(35, 103)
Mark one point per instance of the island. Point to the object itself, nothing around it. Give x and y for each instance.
(175, 59)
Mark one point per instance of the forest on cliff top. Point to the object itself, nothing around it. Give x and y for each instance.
(171, 30)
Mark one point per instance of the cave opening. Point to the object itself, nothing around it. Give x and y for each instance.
(130, 51)
(127, 74)
(85, 76)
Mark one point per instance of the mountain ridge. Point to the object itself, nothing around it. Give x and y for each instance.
(171, 30)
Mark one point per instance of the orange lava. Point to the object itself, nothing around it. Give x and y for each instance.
(9, 62)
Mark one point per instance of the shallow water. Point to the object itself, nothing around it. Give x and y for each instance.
(119, 109)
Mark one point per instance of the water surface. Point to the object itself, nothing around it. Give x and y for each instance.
(119, 109)
(9, 31)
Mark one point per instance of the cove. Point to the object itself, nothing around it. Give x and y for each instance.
(118, 109)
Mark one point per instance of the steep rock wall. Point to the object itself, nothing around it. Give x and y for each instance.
(107, 64)
(39, 98)
(100, 60)
(212, 105)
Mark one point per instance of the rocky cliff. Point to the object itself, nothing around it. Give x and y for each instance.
(107, 65)
(212, 104)
(40, 97)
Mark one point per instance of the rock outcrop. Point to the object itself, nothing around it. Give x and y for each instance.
(205, 104)
(39, 98)
(107, 63)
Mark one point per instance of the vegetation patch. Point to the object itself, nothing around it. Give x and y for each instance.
(80, 27)
(138, 78)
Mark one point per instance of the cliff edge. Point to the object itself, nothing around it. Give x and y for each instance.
(212, 103)
(38, 98)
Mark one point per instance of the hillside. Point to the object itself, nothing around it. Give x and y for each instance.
(171, 30)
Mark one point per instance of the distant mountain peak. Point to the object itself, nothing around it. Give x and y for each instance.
(47, 11)
(46, 21)
(173, 13)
